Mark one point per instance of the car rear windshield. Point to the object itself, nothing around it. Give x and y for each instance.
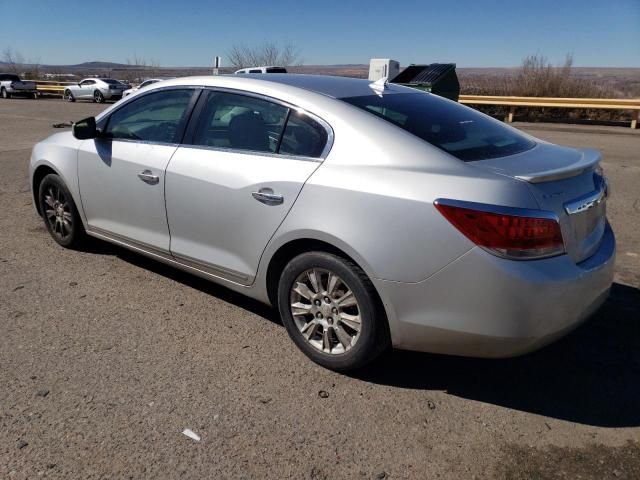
(461, 131)
(276, 70)
(11, 78)
(110, 81)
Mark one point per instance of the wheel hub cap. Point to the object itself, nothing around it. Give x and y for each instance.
(325, 311)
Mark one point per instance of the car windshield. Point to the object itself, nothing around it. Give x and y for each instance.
(110, 81)
(461, 131)
(276, 70)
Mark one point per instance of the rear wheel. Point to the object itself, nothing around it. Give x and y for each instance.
(59, 212)
(5, 94)
(34, 95)
(331, 311)
(68, 96)
(98, 97)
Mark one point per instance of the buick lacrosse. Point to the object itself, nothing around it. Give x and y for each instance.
(370, 215)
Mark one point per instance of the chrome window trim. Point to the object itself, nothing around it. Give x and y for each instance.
(323, 123)
(140, 142)
(251, 152)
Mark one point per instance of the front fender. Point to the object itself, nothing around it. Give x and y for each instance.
(59, 153)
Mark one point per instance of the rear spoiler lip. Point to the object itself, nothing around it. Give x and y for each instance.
(590, 158)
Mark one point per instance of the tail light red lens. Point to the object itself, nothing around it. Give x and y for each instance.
(513, 235)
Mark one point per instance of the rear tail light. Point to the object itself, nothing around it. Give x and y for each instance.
(506, 232)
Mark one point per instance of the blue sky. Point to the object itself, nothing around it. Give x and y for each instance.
(476, 33)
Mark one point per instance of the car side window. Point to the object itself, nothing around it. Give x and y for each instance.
(155, 117)
(303, 136)
(240, 122)
(87, 82)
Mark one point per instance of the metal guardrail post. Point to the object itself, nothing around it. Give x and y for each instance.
(634, 121)
(509, 117)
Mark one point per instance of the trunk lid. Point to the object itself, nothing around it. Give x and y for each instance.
(567, 182)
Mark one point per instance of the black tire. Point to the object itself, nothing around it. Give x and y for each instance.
(6, 95)
(98, 97)
(373, 338)
(66, 228)
(34, 95)
(68, 96)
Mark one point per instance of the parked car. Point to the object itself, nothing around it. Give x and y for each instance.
(97, 89)
(147, 82)
(371, 215)
(10, 85)
(260, 70)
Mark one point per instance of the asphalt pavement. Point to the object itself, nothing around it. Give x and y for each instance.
(106, 357)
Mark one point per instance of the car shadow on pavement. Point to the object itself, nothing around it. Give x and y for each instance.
(190, 280)
(592, 376)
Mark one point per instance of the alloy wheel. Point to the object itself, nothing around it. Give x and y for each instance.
(325, 310)
(58, 212)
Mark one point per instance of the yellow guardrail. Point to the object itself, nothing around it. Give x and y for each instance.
(51, 87)
(632, 105)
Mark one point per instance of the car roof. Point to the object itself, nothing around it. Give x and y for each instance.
(336, 87)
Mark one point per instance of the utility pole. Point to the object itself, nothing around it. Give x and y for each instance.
(217, 62)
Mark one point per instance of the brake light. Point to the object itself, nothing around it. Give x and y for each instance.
(518, 234)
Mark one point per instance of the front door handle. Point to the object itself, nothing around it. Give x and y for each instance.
(147, 176)
(266, 196)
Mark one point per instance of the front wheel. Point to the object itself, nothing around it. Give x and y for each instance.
(5, 94)
(98, 97)
(331, 311)
(68, 96)
(59, 212)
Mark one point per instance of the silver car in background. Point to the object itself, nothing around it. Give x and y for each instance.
(370, 215)
(145, 83)
(97, 89)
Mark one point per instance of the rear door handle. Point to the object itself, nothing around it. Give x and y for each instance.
(147, 176)
(266, 196)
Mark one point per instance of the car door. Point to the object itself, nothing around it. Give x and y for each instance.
(227, 187)
(86, 89)
(121, 173)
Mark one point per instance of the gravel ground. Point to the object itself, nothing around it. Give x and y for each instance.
(106, 357)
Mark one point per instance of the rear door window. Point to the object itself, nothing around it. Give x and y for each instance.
(458, 130)
(303, 136)
(240, 122)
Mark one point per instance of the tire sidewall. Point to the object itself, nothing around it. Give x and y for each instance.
(77, 232)
(369, 343)
(98, 96)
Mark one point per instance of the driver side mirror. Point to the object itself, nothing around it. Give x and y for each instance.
(85, 129)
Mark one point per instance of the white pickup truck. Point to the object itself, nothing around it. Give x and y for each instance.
(10, 84)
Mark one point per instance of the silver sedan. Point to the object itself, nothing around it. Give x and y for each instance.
(97, 89)
(370, 215)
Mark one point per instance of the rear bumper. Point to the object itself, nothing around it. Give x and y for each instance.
(21, 91)
(110, 94)
(484, 306)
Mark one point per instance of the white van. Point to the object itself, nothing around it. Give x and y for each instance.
(261, 70)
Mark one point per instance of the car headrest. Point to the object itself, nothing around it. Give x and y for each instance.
(247, 131)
